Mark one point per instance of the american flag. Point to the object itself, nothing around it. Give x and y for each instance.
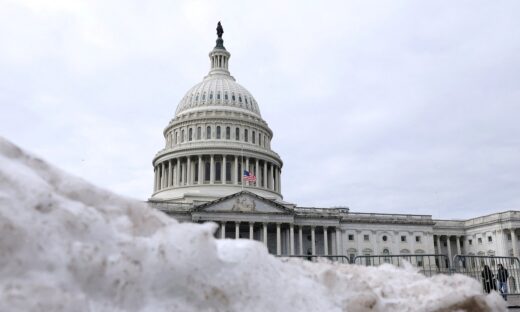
(249, 176)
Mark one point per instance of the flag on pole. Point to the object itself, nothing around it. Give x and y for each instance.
(249, 176)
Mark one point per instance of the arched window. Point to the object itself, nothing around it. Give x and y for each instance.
(197, 97)
(190, 134)
(246, 135)
(207, 171)
(199, 133)
(218, 167)
(225, 96)
(253, 138)
(208, 133)
(218, 95)
(211, 96)
(228, 133)
(175, 137)
(182, 135)
(218, 132)
(204, 96)
(240, 99)
(245, 98)
(196, 179)
(237, 134)
(233, 97)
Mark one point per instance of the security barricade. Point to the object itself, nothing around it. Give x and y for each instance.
(331, 258)
(428, 264)
(486, 269)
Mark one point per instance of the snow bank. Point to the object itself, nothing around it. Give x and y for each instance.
(66, 245)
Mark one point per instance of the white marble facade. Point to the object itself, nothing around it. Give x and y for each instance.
(217, 132)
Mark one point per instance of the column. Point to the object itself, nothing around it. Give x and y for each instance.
(333, 243)
(448, 243)
(313, 240)
(201, 178)
(188, 171)
(271, 176)
(265, 234)
(251, 230)
(458, 245)
(161, 181)
(291, 233)
(155, 179)
(325, 241)
(223, 230)
(338, 241)
(277, 179)
(247, 164)
(212, 170)
(278, 240)
(514, 242)
(235, 175)
(179, 171)
(257, 183)
(237, 230)
(264, 178)
(300, 239)
(438, 240)
(223, 169)
(170, 172)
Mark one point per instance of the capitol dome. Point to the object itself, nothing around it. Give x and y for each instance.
(217, 143)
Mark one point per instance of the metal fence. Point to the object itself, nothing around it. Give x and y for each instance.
(428, 264)
(331, 258)
(477, 267)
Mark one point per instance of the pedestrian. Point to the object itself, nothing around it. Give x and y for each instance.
(502, 276)
(488, 278)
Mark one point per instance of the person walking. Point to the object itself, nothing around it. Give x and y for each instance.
(502, 276)
(488, 278)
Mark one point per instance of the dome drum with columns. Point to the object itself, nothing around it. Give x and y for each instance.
(216, 134)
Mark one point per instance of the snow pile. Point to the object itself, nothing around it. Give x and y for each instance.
(66, 245)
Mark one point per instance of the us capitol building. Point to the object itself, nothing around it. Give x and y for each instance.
(218, 132)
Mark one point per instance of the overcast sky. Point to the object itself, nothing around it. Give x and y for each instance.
(384, 106)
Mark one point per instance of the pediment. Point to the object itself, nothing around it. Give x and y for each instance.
(244, 202)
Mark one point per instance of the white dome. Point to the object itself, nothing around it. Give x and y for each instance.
(218, 91)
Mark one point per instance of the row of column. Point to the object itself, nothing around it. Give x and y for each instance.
(500, 239)
(186, 171)
(333, 250)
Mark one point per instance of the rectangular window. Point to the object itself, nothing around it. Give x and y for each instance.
(490, 239)
(199, 133)
(480, 240)
(228, 133)
(352, 257)
(470, 241)
(418, 239)
(509, 237)
(253, 138)
(403, 238)
(237, 134)
(246, 135)
(351, 237)
(366, 237)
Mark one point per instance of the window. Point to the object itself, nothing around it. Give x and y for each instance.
(204, 97)
(225, 96)
(265, 141)
(196, 179)
(366, 237)
(418, 239)
(182, 136)
(470, 241)
(480, 240)
(228, 171)
(259, 138)
(208, 133)
(253, 138)
(237, 134)
(211, 96)
(207, 171)
(246, 135)
(403, 238)
(175, 137)
(351, 237)
(228, 133)
(218, 171)
(218, 132)
(490, 239)
(245, 99)
(233, 97)
(218, 95)
(190, 134)
(199, 133)
(509, 237)
(352, 257)
(385, 238)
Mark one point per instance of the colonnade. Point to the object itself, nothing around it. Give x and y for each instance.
(291, 234)
(216, 169)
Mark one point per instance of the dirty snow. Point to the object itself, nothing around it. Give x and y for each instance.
(66, 245)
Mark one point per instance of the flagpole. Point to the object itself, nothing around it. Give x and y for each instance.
(242, 167)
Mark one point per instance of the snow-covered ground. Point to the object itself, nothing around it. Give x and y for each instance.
(66, 245)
